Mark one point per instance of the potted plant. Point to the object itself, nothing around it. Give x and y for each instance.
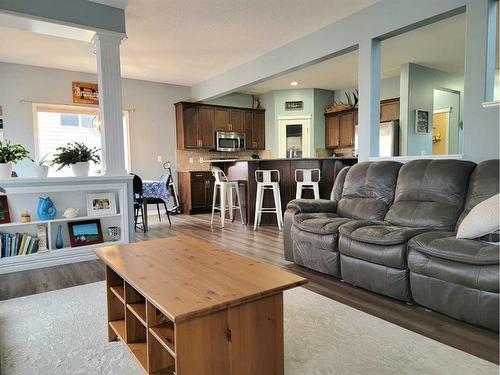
(42, 167)
(78, 156)
(10, 154)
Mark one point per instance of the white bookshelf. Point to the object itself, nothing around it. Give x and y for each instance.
(22, 195)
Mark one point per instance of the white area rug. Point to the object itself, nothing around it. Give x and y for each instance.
(64, 332)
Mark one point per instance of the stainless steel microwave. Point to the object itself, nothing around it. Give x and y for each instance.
(230, 141)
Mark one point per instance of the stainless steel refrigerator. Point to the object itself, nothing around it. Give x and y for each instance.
(388, 139)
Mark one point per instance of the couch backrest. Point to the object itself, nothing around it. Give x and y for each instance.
(483, 184)
(338, 185)
(430, 193)
(368, 190)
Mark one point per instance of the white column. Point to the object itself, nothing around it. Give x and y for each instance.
(369, 98)
(110, 103)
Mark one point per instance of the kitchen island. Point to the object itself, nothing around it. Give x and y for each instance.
(243, 170)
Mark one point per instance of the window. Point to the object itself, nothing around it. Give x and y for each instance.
(493, 52)
(57, 125)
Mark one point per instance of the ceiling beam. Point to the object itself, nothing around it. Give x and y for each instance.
(75, 19)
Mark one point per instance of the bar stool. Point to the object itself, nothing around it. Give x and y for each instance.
(268, 180)
(307, 181)
(226, 196)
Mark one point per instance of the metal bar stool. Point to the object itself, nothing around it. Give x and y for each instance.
(268, 180)
(226, 196)
(305, 180)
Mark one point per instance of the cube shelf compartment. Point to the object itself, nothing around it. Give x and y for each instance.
(143, 328)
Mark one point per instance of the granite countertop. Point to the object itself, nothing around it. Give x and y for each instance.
(276, 159)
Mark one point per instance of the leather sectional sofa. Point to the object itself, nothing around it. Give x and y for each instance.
(390, 228)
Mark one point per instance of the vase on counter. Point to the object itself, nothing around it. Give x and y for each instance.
(59, 240)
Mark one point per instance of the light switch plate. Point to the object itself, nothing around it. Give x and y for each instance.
(159, 158)
(191, 160)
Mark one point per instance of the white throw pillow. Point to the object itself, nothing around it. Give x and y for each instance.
(482, 219)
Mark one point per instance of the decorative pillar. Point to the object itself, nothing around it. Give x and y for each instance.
(369, 98)
(110, 103)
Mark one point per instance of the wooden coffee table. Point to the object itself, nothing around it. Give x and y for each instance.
(182, 305)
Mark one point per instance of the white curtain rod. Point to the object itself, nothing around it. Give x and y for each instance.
(24, 101)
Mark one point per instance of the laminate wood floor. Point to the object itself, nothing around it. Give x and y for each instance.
(266, 244)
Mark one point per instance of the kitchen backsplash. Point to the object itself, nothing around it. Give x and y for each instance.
(183, 156)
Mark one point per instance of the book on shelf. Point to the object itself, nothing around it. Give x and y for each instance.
(18, 244)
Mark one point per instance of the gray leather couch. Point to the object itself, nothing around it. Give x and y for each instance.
(389, 228)
(459, 277)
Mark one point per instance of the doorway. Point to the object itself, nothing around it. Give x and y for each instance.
(294, 136)
(441, 132)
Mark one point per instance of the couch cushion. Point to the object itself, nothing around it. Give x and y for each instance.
(481, 277)
(430, 193)
(446, 246)
(319, 223)
(481, 220)
(483, 184)
(368, 190)
(315, 251)
(379, 233)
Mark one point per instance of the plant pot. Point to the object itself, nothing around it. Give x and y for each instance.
(41, 171)
(5, 171)
(81, 169)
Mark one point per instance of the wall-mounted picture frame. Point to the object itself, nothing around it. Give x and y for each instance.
(421, 121)
(4, 210)
(86, 232)
(85, 93)
(101, 204)
(296, 105)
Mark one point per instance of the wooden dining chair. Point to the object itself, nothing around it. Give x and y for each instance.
(138, 201)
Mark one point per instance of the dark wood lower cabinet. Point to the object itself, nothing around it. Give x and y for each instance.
(196, 191)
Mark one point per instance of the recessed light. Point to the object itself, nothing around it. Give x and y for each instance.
(294, 83)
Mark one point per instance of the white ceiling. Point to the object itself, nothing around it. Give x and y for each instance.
(440, 45)
(185, 41)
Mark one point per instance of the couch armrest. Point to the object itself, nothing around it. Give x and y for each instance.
(312, 205)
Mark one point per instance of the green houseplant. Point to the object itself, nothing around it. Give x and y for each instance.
(78, 156)
(10, 154)
(42, 166)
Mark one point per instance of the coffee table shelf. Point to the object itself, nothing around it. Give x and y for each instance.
(229, 322)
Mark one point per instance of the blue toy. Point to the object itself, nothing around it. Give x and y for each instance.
(46, 209)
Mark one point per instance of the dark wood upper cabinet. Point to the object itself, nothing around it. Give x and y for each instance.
(332, 131)
(222, 120)
(340, 126)
(206, 127)
(389, 110)
(198, 123)
(236, 123)
(187, 126)
(346, 129)
(258, 133)
(248, 122)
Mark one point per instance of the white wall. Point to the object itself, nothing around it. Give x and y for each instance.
(362, 29)
(152, 123)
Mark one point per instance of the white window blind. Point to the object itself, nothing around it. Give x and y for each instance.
(58, 125)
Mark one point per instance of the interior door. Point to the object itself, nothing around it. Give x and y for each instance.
(440, 133)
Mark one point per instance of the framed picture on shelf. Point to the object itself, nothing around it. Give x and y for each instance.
(101, 204)
(421, 121)
(83, 233)
(4, 210)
